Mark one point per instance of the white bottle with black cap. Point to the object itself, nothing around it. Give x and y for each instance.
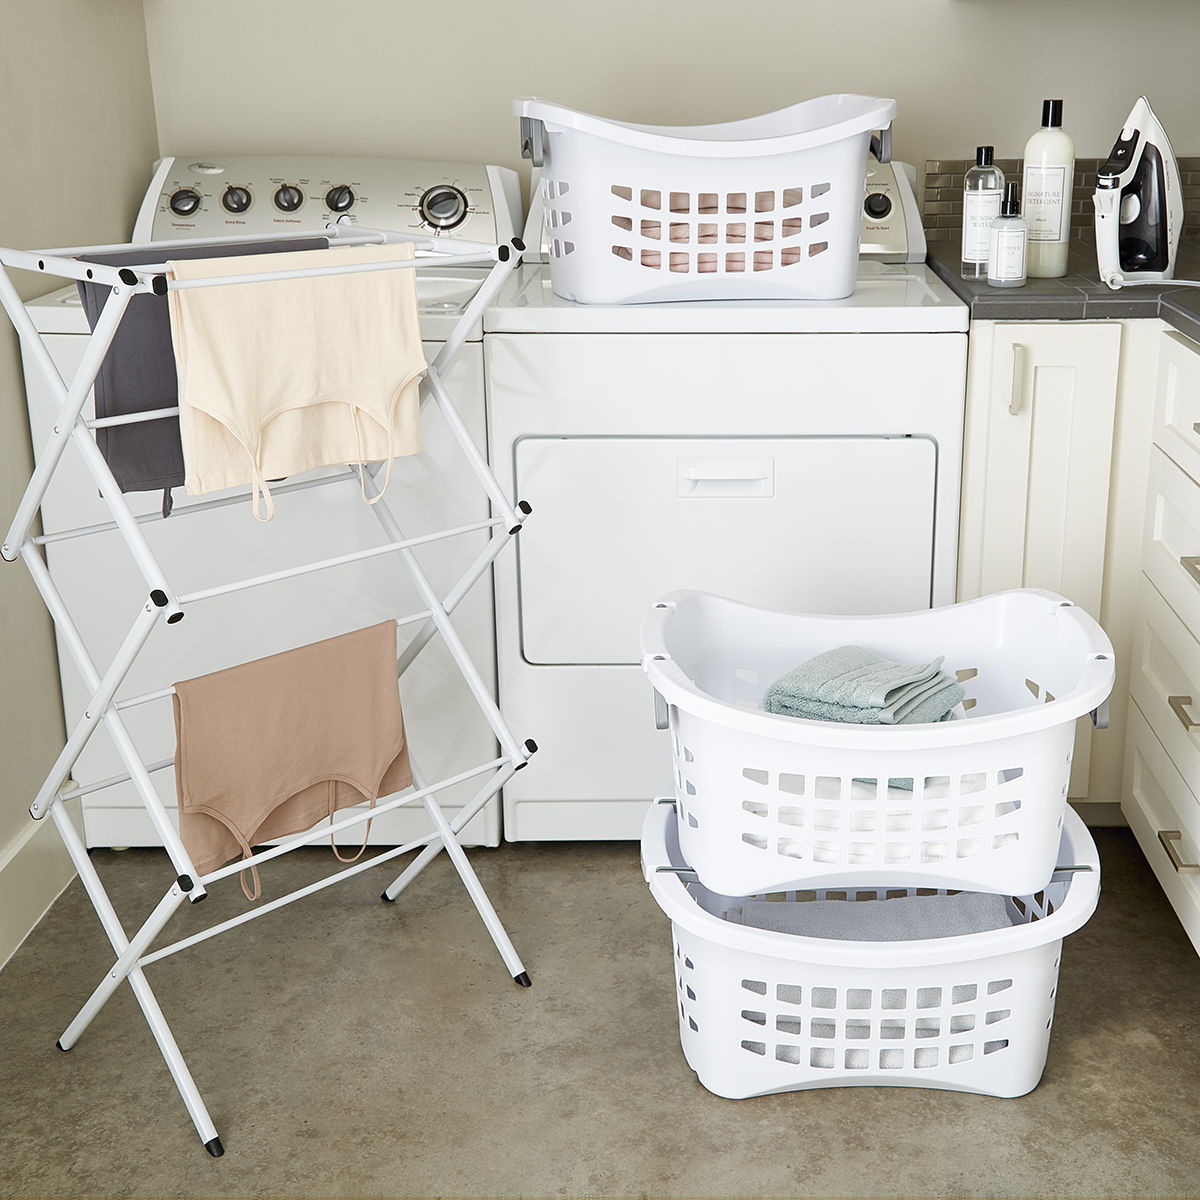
(1007, 242)
(983, 189)
(1046, 194)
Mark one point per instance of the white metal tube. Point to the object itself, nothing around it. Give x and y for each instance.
(173, 243)
(73, 790)
(178, 285)
(157, 414)
(68, 415)
(399, 544)
(42, 262)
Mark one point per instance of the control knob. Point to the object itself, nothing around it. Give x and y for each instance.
(877, 206)
(185, 202)
(443, 206)
(288, 198)
(339, 199)
(236, 199)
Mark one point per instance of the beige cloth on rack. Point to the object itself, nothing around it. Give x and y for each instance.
(270, 747)
(278, 378)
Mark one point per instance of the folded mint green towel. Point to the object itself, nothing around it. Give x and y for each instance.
(854, 685)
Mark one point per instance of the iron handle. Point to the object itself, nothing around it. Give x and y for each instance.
(1178, 703)
(1018, 378)
(1169, 837)
(1191, 566)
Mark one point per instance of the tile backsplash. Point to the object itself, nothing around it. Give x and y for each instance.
(942, 207)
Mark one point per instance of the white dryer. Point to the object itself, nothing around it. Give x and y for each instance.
(216, 197)
(802, 456)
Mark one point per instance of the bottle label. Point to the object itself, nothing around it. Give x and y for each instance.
(979, 209)
(1007, 254)
(1045, 206)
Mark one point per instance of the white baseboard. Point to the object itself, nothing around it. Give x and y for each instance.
(34, 870)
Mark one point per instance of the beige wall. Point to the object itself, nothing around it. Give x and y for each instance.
(353, 77)
(77, 141)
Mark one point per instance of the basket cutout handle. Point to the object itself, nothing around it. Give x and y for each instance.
(881, 144)
(533, 140)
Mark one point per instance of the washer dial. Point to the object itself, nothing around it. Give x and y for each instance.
(236, 199)
(877, 205)
(185, 202)
(339, 199)
(443, 206)
(288, 198)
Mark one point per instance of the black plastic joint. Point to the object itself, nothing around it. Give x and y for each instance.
(531, 745)
(175, 618)
(214, 1147)
(61, 1046)
(185, 883)
(159, 597)
(515, 530)
(159, 284)
(525, 506)
(518, 243)
(385, 896)
(127, 276)
(503, 253)
(523, 979)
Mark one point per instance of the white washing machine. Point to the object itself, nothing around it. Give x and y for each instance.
(802, 456)
(215, 196)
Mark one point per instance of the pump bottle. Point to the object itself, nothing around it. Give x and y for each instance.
(1046, 194)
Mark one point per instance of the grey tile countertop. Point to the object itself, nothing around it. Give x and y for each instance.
(1079, 295)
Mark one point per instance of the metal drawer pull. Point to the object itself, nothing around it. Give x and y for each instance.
(1191, 566)
(1018, 380)
(1177, 704)
(1196, 426)
(1169, 837)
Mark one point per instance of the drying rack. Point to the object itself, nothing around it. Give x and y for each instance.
(133, 954)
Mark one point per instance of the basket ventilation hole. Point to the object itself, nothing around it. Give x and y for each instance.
(735, 202)
(746, 675)
(789, 993)
(968, 848)
(624, 192)
(817, 219)
(755, 775)
(790, 848)
(792, 197)
(791, 226)
(790, 255)
(937, 787)
(735, 232)
(652, 259)
(863, 820)
(692, 821)
(690, 994)
(823, 997)
(1000, 1014)
(681, 231)
(735, 263)
(1020, 905)
(992, 1047)
(828, 787)
(680, 263)
(858, 1060)
(706, 233)
(964, 992)
(755, 807)
(789, 1054)
(564, 218)
(966, 673)
(764, 231)
(790, 814)
(969, 703)
(893, 998)
(624, 252)
(934, 820)
(688, 756)
(1040, 899)
(933, 852)
(549, 190)
(681, 202)
(757, 840)
(821, 1058)
(971, 814)
(891, 1029)
(927, 1027)
(897, 853)
(961, 1054)
(861, 854)
(706, 264)
(651, 199)
(962, 1024)
(689, 787)
(1001, 840)
(998, 985)
(825, 852)
(816, 248)
(926, 1056)
(827, 820)
(693, 1026)
(758, 1018)
(755, 1047)
(757, 986)
(931, 997)
(706, 202)
(891, 1060)
(1007, 806)
(793, 784)
(764, 260)
(764, 201)
(652, 229)
(687, 962)
(625, 223)
(858, 998)
(818, 189)
(899, 821)
(1009, 774)
(968, 785)
(682, 1013)
(1049, 697)
(863, 790)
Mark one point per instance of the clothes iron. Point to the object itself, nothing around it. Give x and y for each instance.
(1139, 204)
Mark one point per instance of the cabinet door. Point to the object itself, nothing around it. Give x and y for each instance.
(1041, 399)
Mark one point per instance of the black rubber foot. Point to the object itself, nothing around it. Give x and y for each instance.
(214, 1147)
(63, 1048)
(523, 979)
(385, 896)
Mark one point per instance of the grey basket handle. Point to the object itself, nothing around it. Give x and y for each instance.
(881, 144)
(533, 140)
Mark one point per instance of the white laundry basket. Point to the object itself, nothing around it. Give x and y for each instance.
(765, 208)
(769, 802)
(763, 1012)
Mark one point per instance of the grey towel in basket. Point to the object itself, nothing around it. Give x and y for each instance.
(902, 919)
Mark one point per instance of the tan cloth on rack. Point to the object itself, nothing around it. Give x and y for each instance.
(270, 747)
(278, 378)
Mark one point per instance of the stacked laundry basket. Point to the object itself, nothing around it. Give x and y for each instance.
(772, 813)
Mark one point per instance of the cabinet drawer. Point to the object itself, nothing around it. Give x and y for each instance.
(1171, 545)
(1177, 403)
(1157, 799)
(1165, 679)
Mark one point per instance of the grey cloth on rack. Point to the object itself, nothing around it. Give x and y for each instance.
(902, 919)
(854, 685)
(138, 373)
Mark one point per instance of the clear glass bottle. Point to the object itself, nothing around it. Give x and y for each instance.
(983, 189)
(1008, 242)
(1046, 194)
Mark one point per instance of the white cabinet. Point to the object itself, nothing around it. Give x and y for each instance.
(1038, 453)
(1162, 754)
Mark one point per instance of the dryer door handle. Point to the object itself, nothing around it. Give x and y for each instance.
(716, 477)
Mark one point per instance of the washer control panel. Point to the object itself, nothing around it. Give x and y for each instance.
(194, 196)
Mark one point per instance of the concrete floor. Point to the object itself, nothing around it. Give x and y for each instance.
(347, 1047)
